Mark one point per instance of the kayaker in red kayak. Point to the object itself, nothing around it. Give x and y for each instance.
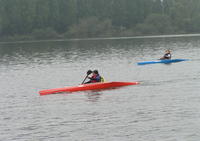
(167, 55)
(95, 77)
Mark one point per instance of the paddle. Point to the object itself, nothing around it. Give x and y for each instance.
(88, 73)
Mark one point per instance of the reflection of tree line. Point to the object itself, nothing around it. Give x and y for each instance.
(46, 19)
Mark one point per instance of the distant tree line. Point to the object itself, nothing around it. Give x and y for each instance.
(47, 19)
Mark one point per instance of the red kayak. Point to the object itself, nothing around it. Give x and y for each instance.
(85, 87)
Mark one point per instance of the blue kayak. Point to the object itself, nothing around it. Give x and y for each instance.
(167, 61)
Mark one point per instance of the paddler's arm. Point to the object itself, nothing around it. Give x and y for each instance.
(98, 78)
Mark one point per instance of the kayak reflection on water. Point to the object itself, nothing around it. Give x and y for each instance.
(93, 96)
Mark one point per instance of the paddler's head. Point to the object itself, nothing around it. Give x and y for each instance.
(95, 72)
(167, 51)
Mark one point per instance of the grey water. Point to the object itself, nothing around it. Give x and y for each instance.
(164, 107)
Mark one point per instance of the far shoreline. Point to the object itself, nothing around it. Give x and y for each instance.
(103, 38)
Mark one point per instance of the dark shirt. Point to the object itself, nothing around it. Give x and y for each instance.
(167, 56)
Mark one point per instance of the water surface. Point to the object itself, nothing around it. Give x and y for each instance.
(164, 107)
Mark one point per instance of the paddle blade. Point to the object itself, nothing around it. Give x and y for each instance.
(89, 72)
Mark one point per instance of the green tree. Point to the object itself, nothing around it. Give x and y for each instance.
(155, 24)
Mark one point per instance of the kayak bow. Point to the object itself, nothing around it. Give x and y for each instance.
(167, 61)
(85, 87)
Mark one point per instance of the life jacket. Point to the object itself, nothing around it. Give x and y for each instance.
(102, 79)
(97, 78)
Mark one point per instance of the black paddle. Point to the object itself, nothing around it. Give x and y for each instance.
(88, 73)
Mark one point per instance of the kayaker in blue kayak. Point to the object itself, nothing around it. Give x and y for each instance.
(95, 77)
(167, 55)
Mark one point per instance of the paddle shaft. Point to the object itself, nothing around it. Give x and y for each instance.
(84, 79)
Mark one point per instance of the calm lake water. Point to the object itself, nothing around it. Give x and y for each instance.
(164, 107)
